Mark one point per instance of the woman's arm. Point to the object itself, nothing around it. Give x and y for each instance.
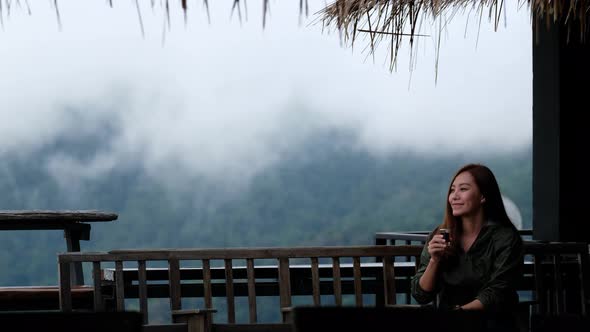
(436, 247)
(500, 289)
(473, 305)
(424, 285)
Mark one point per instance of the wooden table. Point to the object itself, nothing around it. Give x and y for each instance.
(74, 223)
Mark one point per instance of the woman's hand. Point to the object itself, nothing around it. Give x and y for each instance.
(436, 248)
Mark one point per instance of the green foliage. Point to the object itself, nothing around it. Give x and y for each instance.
(322, 194)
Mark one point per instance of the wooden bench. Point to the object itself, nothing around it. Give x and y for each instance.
(23, 298)
(76, 227)
(558, 278)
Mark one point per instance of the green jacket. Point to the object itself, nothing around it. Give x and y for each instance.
(488, 271)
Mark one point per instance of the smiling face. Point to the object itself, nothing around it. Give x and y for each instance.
(464, 196)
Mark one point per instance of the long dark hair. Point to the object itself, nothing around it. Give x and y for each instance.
(493, 208)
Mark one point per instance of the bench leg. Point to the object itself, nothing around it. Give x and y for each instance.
(287, 315)
(196, 320)
(73, 244)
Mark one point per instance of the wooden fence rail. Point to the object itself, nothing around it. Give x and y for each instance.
(552, 270)
(361, 277)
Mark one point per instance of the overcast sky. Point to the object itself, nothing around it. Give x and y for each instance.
(210, 99)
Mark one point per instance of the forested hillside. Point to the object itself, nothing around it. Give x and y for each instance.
(325, 192)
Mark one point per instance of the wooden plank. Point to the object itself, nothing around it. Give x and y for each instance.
(315, 281)
(358, 290)
(262, 327)
(142, 285)
(389, 281)
(63, 216)
(239, 253)
(65, 290)
(41, 298)
(207, 284)
(284, 283)
(97, 281)
(229, 292)
(296, 252)
(262, 253)
(541, 248)
(174, 284)
(119, 286)
(336, 281)
(174, 327)
(251, 291)
(269, 271)
(80, 228)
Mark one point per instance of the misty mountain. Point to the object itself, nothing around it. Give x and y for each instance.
(325, 191)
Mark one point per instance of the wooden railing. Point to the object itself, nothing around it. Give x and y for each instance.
(555, 273)
(360, 275)
(419, 237)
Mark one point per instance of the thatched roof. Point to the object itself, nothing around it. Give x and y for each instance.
(398, 21)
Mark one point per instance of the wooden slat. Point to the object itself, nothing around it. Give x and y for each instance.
(65, 287)
(174, 284)
(229, 292)
(417, 264)
(389, 280)
(358, 290)
(315, 281)
(207, 284)
(119, 286)
(251, 291)
(559, 303)
(408, 259)
(540, 291)
(142, 284)
(336, 280)
(584, 276)
(284, 283)
(174, 327)
(97, 281)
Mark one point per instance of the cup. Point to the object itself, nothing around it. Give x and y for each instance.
(446, 235)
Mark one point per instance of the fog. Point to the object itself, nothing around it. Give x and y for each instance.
(228, 99)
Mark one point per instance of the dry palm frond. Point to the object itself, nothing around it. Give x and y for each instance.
(398, 20)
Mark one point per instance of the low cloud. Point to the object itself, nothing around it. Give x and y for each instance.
(227, 100)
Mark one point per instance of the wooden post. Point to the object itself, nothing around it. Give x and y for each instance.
(73, 237)
(560, 102)
(65, 287)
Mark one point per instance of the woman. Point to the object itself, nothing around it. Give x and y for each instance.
(478, 268)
